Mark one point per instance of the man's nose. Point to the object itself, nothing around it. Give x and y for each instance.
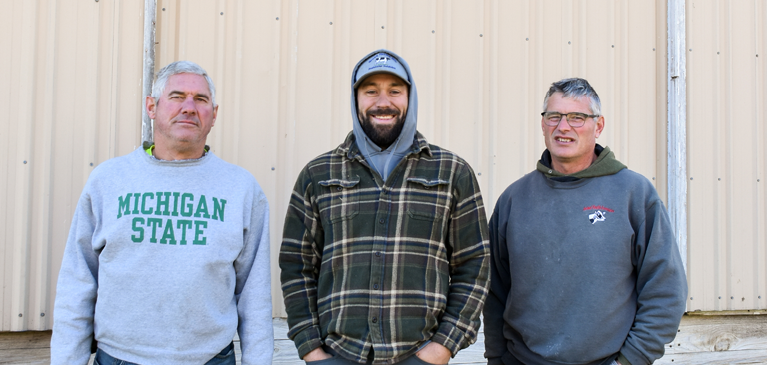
(564, 125)
(188, 105)
(383, 101)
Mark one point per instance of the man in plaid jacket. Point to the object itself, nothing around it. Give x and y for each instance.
(384, 255)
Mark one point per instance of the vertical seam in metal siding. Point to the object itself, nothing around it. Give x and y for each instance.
(150, 26)
(677, 116)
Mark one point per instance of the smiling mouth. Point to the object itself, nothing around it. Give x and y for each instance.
(563, 139)
(384, 117)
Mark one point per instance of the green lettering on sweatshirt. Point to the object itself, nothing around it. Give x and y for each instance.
(175, 204)
(136, 198)
(198, 232)
(218, 210)
(138, 229)
(202, 208)
(168, 236)
(183, 225)
(154, 223)
(143, 203)
(123, 203)
(163, 202)
(186, 208)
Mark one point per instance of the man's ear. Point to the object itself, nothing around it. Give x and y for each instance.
(215, 114)
(600, 126)
(150, 106)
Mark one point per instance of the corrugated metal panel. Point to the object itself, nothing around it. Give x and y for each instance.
(71, 73)
(282, 71)
(482, 68)
(726, 155)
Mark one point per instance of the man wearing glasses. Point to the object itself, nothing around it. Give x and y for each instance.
(584, 265)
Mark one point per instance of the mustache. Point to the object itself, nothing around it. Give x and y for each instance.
(193, 118)
(384, 111)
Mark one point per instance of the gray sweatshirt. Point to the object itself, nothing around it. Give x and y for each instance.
(165, 260)
(583, 268)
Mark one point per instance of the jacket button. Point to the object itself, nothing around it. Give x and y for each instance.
(375, 286)
(375, 319)
(340, 188)
(378, 254)
(381, 221)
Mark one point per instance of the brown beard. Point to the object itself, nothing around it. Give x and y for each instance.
(382, 136)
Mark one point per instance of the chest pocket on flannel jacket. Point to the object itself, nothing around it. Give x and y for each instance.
(429, 199)
(339, 199)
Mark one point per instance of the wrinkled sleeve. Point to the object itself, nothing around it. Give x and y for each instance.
(76, 289)
(661, 288)
(253, 286)
(500, 285)
(300, 256)
(469, 265)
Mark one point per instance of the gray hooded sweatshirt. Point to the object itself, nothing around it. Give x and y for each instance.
(384, 161)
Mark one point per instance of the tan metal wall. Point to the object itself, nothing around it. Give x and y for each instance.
(726, 135)
(282, 70)
(70, 78)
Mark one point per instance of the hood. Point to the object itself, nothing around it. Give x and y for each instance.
(606, 164)
(384, 161)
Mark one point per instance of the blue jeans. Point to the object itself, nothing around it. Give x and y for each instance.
(225, 357)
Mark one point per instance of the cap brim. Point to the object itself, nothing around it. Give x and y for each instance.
(384, 71)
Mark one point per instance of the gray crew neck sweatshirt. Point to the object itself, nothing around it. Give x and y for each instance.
(165, 260)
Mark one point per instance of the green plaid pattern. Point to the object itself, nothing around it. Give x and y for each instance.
(367, 265)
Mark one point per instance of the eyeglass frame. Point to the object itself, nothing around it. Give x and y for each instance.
(567, 118)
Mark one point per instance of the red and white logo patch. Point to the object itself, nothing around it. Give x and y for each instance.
(599, 214)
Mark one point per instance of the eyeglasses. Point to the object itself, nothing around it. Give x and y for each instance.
(575, 120)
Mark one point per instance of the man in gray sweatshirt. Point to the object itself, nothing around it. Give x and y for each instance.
(585, 268)
(168, 252)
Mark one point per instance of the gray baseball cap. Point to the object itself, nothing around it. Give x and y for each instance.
(380, 63)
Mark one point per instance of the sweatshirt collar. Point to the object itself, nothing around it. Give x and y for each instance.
(605, 164)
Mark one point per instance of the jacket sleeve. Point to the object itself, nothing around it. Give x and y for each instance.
(661, 288)
(253, 286)
(76, 289)
(500, 285)
(300, 256)
(469, 265)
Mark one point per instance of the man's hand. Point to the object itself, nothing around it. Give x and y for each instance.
(434, 353)
(316, 355)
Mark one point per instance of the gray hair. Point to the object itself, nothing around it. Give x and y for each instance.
(180, 67)
(575, 88)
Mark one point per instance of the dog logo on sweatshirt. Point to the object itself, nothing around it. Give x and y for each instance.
(382, 58)
(598, 216)
(599, 213)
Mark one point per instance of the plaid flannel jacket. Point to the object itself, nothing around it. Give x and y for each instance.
(384, 266)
